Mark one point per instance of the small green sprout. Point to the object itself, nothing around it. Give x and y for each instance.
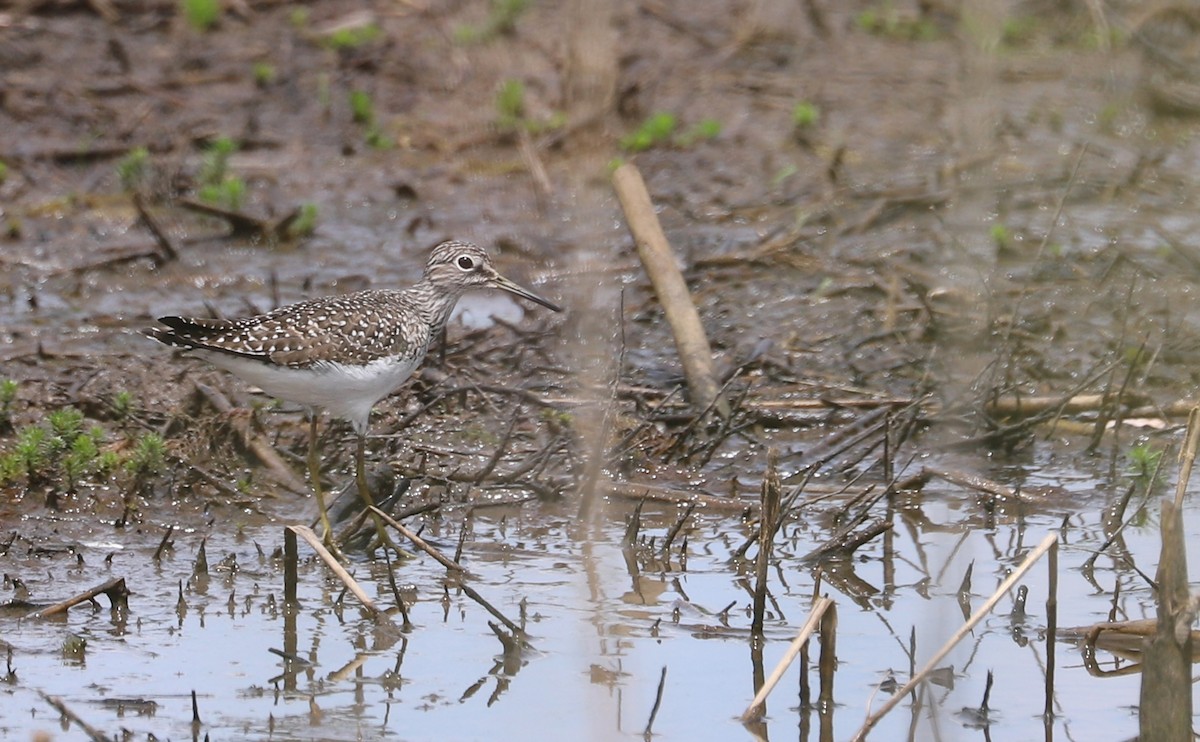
(298, 17)
(376, 139)
(362, 108)
(1019, 30)
(133, 167)
(148, 457)
(510, 104)
(122, 405)
(264, 74)
(805, 114)
(558, 417)
(8, 394)
(305, 222)
(1143, 460)
(66, 423)
(202, 15)
(502, 19)
(3, 171)
(216, 160)
(890, 23)
(654, 131)
(787, 171)
(32, 450)
(228, 193)
(79, 461)
(1001, 236)
(353, 37)
(705, 129)
(107, 462)
(11, 468)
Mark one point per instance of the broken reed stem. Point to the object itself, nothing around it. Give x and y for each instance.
(166, 248)
(417, 541)
(257, 444)
(828, 661)
(1051, 626)
(391, 574)
(1165, 698)
(162, 545)
(634, 525)
(662, 682)
(115, 590)
(1187, 456)
(311, 538)
(771, 489)
(814, 619)
(1008, 584)
(462, 537)
(666, 547)
(291, 563)
(655, 253)
(201, 565)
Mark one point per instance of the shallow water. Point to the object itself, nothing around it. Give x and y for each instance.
(934, 173)
(601, 635)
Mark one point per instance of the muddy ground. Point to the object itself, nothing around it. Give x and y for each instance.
(935, 210)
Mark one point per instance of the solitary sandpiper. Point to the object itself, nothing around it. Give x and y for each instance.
(342, 353)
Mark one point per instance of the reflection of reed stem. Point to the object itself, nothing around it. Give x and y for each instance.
(814, 619)
(1051, 627)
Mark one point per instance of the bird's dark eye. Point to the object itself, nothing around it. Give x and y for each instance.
(465, 262)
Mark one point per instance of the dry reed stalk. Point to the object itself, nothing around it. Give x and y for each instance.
(115, 590)
(1051, 627)
(1165, 704)
(767, 524)
(814, 619)
(659, 261)
(311, 538)
(966, 628)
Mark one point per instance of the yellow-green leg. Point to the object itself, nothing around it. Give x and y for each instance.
(364, 492)
(314, 473)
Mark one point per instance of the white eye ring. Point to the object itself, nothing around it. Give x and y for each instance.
(465, 263)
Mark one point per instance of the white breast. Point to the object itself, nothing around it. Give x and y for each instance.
(345, 391)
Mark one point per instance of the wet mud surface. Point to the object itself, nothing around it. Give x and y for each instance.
(914, 237)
